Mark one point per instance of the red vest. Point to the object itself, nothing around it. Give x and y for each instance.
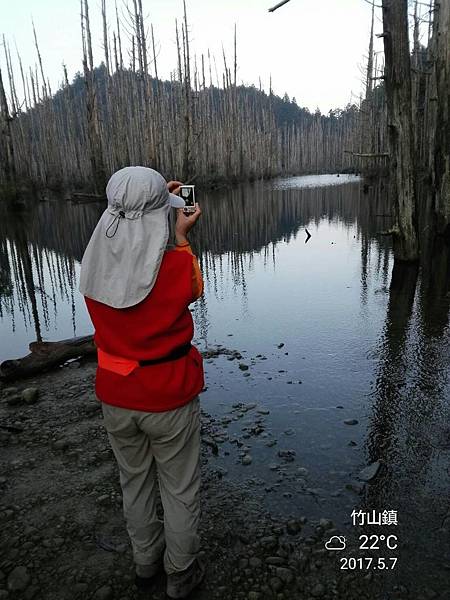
(150, 330)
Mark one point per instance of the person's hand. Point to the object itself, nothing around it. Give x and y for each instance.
(184, 223)
(174, 187)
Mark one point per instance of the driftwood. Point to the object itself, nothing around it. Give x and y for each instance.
(81, 198)
(46, 355)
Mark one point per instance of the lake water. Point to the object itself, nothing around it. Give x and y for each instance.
(329, 334)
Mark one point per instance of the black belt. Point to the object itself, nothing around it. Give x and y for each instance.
(177, 353)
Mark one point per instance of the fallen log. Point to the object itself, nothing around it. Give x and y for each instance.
(82, 198)
(46, 355)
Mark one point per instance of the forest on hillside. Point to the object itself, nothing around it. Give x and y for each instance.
(193, 126)
(204, 127)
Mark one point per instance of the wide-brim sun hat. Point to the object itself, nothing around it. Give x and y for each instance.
(123, 256)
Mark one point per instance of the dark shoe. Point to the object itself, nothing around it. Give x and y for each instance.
(146, 575)
(180, 585)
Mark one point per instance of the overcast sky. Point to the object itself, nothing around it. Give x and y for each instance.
(313, 49)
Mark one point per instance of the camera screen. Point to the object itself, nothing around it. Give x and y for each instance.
(187, 193)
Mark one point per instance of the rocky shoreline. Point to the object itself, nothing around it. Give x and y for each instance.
(62, 530)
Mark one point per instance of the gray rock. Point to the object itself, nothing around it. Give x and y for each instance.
(355, 486)
(79, 588)
(277, 561)
(269, 541)
(243, 367)
(293, 526)
(318, 590)
(61, 444)
(31, 592)
(221, 471)
(103, 499)
(246, 459)
(370, 472)
(351, 421)
(255, 562)
(74, 365)
(103, 593)
(285, 574)
(9, 391)
(287, 455)
(326, 523)
(18, 579)
(30, 395)
(276, 584)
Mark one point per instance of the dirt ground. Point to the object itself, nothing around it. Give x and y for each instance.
(63, 535)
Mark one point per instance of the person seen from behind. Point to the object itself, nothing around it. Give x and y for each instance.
(138, 284)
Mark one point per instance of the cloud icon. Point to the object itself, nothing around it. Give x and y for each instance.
(336, 542)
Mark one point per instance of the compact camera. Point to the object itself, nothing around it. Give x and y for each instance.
(187, 192)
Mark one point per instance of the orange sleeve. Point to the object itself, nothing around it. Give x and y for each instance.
(197, 279)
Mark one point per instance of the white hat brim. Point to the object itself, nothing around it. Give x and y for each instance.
(176, 201)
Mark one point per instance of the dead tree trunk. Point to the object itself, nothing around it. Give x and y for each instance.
(442, 137)
(6, 145)
(93, 125)
(399, 110)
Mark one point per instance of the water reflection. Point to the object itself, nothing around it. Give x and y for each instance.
(409, 430)
(40, 250)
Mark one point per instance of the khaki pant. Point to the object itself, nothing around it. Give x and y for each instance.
(168, 444)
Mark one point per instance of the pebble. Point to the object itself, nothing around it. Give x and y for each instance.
(285, 574)
(103, 593)
(103, 499)
(275, 560)
(60, 444)
(246, 459)
(351, 421)
(370, 472)
(31, 592)
(255, 562)
(276, 584)
(30, 395)
(355, 486)
(74, 365)
(287, 455)
(293, 527)
(326, 523)
(18, 579)
(243, 367)
(9, 391)
(318, 590)
(269, 541)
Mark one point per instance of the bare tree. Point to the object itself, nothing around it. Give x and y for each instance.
(397, 79)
